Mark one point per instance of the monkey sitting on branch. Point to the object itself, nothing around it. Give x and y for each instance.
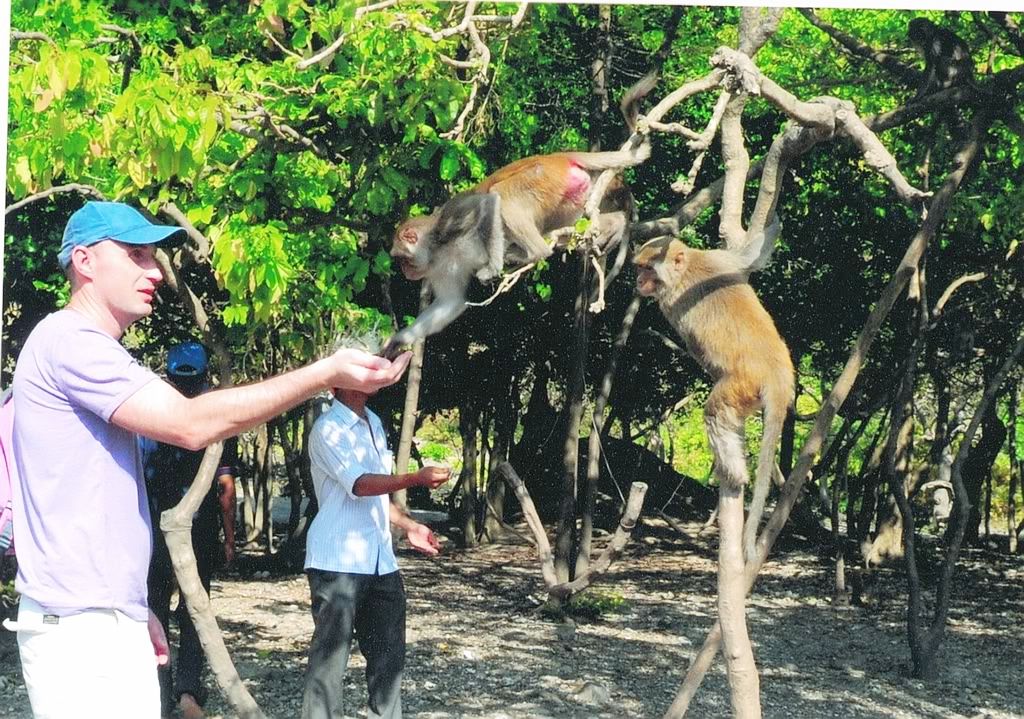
(505, 218)
(947, 58)
(707, 299)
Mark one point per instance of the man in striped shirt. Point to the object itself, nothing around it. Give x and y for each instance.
(353, 576)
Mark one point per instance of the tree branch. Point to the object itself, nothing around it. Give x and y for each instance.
(601, 565)
(327, 53)
(201, 253)
(903, 72)
(17, 36)
(87, 190)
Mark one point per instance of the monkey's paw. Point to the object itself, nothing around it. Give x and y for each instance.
(488, 273)
(393, 348)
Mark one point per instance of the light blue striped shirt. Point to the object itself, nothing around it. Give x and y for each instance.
(349, 533)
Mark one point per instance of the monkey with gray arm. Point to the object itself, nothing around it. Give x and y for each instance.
(504, 217)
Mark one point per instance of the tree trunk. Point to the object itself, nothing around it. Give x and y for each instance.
(1015, 466)
(409, 410)
(840, 540)
(744, 684)
(596, 432)
(565, 539)
(978, 467)
(256, 488)
(469, 424)
(504, 429)
(897, 468)
(786, 443)
(932, 641)
(293, 471)
(176, 523)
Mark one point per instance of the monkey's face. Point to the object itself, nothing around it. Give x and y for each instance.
(650, 262)
(410, 247)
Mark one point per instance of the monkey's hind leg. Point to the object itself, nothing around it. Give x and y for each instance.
(522, 230)
(724, 425)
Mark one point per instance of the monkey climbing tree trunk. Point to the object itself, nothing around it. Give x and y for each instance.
(793, 487)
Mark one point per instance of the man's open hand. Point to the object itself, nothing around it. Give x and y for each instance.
(364, 372)
(422, 539)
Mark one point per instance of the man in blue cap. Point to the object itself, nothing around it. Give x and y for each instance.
(89, 645)
(169, 472)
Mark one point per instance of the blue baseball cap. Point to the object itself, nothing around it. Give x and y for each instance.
(187, 360)
(98, 221)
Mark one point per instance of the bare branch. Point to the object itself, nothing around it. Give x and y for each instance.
(327, 53)
(283, 132)
(886, 61)
(737, 163)
(459, 64)
(547, 563)
(618, 542)
(202, 245)
(956, 284)
(482, 55)
(507, 282)
(743, 74)
(40, 36)
(691, 88)
(757, 25)
(287, 51)
(88, 190)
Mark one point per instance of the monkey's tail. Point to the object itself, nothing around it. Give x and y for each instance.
(630, 103)
(775, 410)
(613, 159)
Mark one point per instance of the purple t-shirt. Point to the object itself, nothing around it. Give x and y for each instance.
(80, 511)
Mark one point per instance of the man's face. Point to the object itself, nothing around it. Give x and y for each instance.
(125, 278)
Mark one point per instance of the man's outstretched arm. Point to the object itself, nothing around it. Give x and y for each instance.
(159, 411)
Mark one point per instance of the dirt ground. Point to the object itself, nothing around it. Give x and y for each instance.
(479, 647)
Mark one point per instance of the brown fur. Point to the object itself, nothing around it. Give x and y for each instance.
(705, 295)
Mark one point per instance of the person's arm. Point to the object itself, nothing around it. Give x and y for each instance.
(159, 411)
(370, 485)
(419, 535)
(226, 499)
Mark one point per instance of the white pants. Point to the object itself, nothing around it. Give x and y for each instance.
(98, 663)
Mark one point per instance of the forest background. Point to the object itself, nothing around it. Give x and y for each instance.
(292, 137)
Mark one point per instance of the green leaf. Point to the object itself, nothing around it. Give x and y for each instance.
(449, 163)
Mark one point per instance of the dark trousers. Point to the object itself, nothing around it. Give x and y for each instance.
(373, 607)
(187, 676)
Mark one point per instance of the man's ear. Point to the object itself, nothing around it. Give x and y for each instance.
(82, 261)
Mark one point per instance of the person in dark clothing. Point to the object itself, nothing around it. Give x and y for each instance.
(169, 472)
